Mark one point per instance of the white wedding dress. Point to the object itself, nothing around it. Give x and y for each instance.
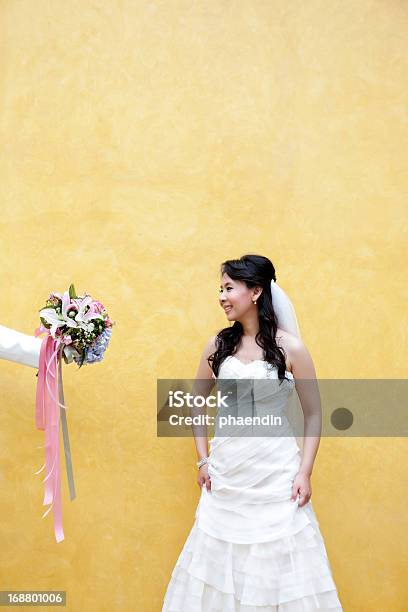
(252, 549)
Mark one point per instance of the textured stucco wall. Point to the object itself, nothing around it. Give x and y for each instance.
(142, 143)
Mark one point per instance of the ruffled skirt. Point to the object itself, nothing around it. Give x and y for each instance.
(252, 549)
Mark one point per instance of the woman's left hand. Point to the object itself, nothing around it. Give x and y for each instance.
(301, 486)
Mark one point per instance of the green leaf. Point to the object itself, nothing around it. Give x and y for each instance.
(72, 292)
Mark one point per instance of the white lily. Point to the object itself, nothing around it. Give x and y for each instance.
(81, 320)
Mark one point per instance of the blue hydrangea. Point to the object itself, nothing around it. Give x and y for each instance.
(95, 352)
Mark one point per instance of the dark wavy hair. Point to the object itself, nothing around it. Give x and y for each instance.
(254, 271)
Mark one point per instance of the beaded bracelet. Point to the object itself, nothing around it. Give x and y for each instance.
(201, 462)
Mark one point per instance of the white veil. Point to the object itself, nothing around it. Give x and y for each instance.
(287, 321)
(284, 310)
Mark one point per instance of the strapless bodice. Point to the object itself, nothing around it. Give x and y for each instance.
(232, 367)
(253, 389)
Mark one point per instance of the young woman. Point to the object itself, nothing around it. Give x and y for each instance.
(255, 545)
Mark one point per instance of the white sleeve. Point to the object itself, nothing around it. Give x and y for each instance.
(19, 347)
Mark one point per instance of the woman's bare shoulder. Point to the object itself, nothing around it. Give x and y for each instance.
(211, 346)
(288, 339)
(291, 344)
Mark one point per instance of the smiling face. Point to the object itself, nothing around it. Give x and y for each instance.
(236, 298)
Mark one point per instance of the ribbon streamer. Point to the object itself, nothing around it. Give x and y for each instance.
(50, 407)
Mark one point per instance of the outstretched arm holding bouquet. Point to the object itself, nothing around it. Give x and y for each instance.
(85, 318)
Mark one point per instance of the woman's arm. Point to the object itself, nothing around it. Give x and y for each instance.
(203, 384)
(308, 391)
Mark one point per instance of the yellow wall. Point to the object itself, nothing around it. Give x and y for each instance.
(142, 143)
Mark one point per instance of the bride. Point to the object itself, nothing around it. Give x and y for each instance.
(256, 545)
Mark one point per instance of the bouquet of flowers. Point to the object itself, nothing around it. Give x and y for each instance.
(81, 323)
(78, 329)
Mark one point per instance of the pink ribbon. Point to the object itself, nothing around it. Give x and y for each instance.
(49, 402)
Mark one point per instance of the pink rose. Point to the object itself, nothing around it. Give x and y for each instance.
(98, 306)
